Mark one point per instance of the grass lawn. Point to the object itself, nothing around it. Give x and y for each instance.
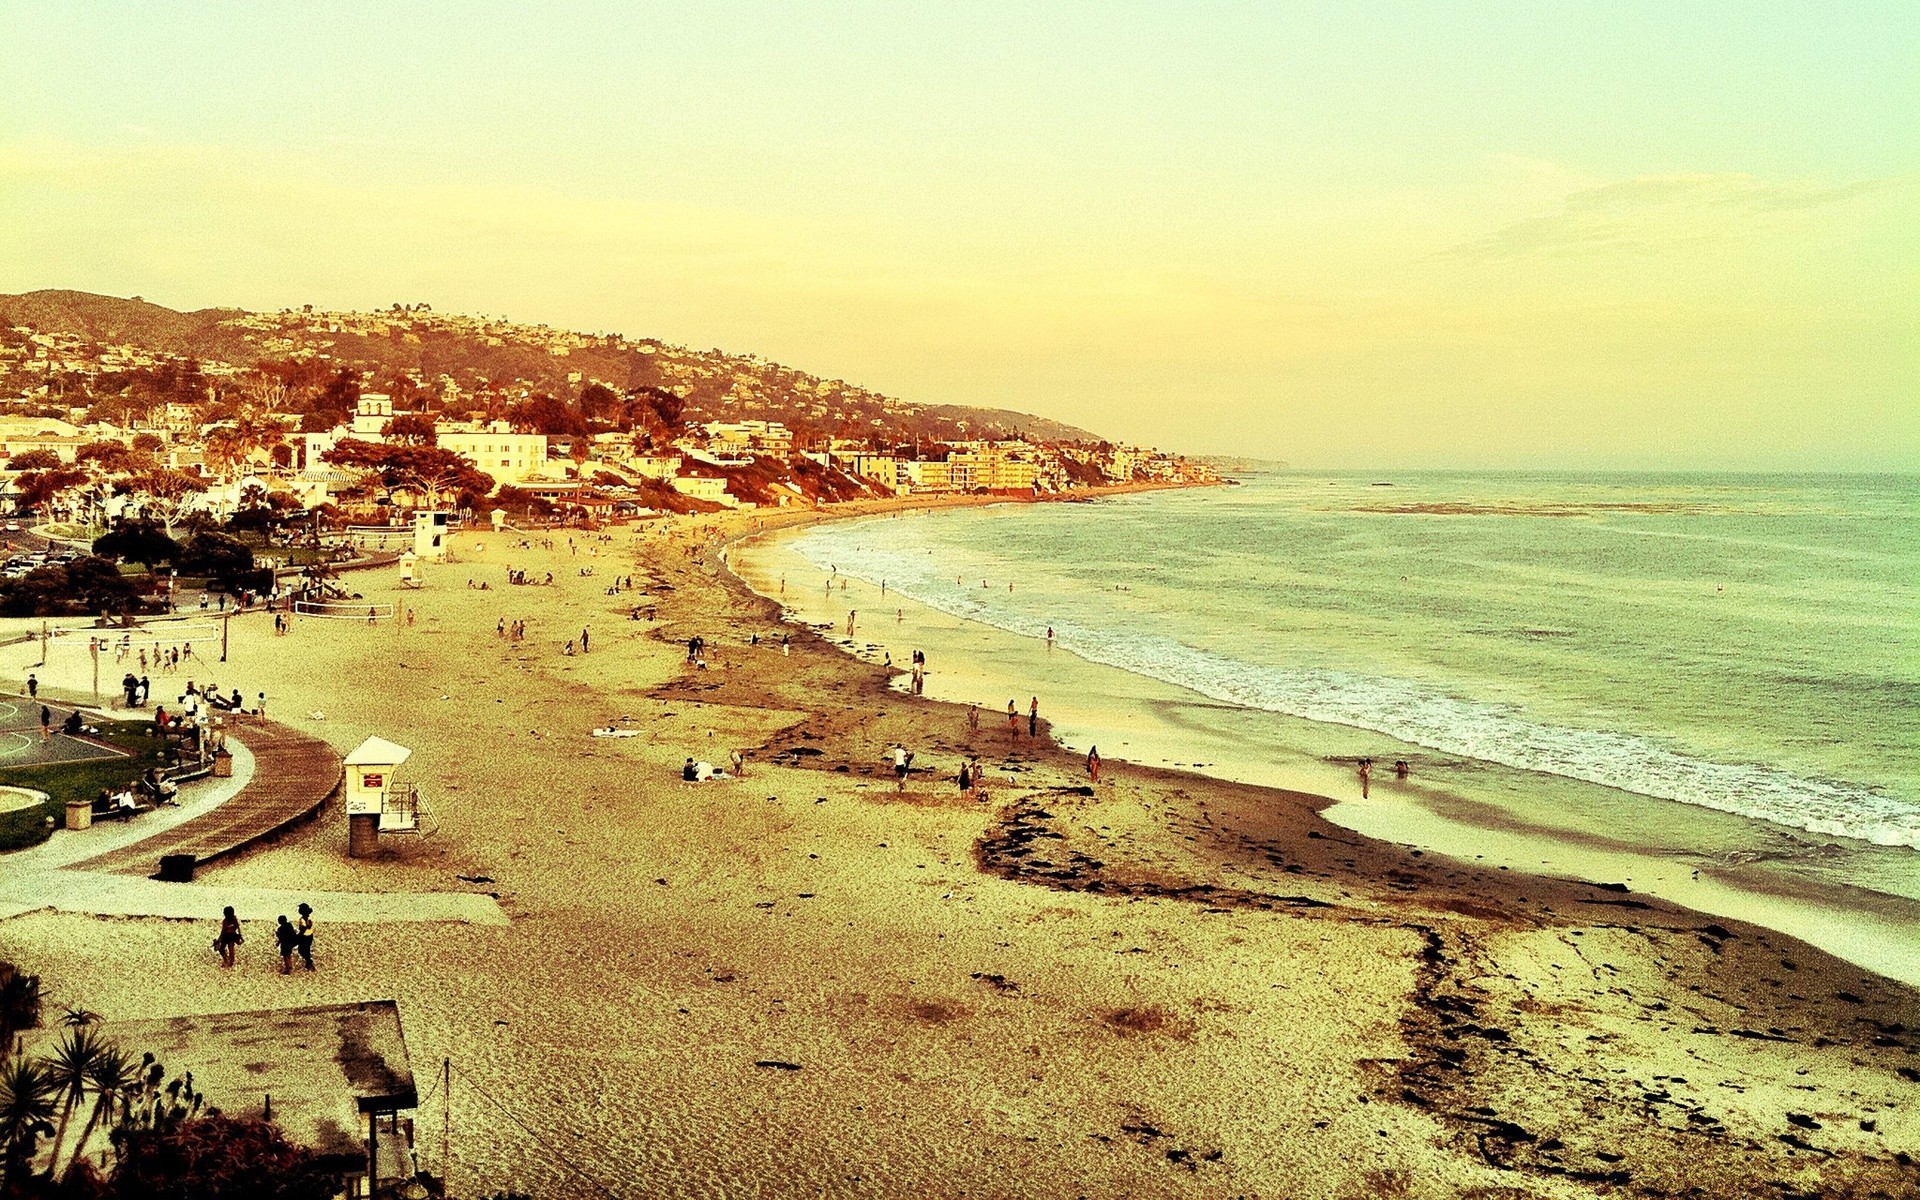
(76, 781)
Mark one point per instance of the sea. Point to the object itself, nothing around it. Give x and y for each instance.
(1680, 675)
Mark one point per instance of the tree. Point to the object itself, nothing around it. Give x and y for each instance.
(68, 1069)
(34, 460)
(249, 432)
(216, 1157)
(598, 402)
(665, 407)
(147, 443)
(27, 1101)
(112, 1077)
(411, 429)
(108, 456)
(215, 555)
(544, 414)
(38, 489)
(137, 540)
(433, 473)
(430, 472)
(165, 494)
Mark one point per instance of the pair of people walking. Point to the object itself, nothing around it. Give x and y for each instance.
(290, 937)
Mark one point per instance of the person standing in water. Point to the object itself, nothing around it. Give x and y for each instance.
(1366, 776)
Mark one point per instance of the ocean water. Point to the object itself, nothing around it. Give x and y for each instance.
(1745, 644)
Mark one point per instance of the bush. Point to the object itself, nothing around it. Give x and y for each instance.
(217, 1157)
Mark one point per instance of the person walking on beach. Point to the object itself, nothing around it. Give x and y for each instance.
(1033, 717)
(1093, 764)
(229, 938)
(288, 940)
(583, 639)
(304, 928)
(46, 723)
(786, 646)
(973, 718)
(1013, 719)
(33, 687)
(1366, 776)
(902, 763)
(851, 614)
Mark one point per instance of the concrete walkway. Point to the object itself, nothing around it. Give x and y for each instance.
(68, 846)
(280, 777)
(293, 774)
(127, 896)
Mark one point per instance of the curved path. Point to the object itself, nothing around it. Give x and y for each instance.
(293, 775)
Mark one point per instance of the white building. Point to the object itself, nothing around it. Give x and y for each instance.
(508, 457)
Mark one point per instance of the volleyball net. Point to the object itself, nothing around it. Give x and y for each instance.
(140, 637)
(344, 610)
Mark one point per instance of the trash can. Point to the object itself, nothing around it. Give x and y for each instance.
(176, 868)
(79, 814)
(222, 764)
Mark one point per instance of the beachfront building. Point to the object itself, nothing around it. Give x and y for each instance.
(735, 438)
(507, 456)
(334, 1077)
(710, 488)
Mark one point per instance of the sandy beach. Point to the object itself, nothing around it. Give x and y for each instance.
(804, 982)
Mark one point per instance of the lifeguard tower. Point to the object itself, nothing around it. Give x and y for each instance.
(376, 803)
(409, 569)
(430, 530)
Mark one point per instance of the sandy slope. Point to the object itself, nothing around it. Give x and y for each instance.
(1169, 986)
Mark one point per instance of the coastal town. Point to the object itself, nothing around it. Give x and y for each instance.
(345, 415)
(420, 782)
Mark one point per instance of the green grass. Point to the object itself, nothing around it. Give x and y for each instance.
(75, 781)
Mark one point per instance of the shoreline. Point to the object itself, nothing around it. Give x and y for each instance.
(1149, 722)
(1165, 985)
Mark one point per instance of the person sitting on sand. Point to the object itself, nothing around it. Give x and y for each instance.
(690, 772)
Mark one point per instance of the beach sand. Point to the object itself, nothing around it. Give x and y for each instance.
(806, 983)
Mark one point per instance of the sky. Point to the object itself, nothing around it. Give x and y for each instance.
(1606, 236)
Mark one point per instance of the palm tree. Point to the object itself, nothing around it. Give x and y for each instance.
(19, 1003)
(26, 1111)
(68, 1069)
(112, 1077)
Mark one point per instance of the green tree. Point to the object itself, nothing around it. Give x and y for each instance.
(108, 456)
(137, 540)
(38, 489)
(215, 555)
(411, 429)
(35, 460)
(68, 1069)
(27, 1104)
(166, 494)
(544, 414)
(215, 1157)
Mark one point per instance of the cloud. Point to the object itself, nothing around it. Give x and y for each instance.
(1653, 212)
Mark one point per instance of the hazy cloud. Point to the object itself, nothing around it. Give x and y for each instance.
(1654, 211)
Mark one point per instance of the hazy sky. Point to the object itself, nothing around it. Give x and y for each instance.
(1614, 234)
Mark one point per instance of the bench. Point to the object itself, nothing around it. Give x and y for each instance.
(115, 812)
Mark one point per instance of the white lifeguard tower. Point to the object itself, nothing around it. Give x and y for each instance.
(376, 803)
(409, 569)
(430, 530)
(499, 518)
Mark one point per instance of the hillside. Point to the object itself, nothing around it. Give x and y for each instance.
(450, 360)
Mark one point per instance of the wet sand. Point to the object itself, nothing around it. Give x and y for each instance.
(1706, 860)
(805, 982)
